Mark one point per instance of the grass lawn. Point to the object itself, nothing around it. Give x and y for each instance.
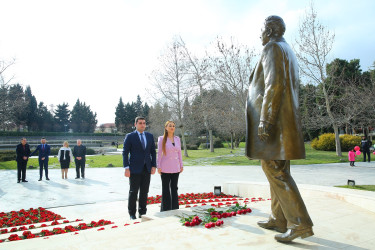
(360, 187)
(201, 157)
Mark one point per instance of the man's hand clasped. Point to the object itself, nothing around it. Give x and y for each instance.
(127, 172)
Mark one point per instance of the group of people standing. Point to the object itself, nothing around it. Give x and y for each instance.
(65, 157)
(139, 159)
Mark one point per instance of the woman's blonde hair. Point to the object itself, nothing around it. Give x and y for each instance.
(165, 137)
(66, 143)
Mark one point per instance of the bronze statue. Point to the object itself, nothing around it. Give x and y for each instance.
(274, 130)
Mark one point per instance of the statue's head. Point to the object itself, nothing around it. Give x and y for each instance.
(274, 26)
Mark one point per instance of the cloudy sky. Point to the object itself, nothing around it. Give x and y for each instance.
(99, 51)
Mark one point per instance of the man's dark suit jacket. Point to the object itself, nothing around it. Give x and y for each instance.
(79, 151)
(139, 156)
(21, 152)
(42, 153)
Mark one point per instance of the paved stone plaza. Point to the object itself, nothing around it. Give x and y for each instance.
(103, 195)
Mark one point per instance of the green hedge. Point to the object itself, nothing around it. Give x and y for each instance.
(7, 155)
(16, 133)
(326, 142)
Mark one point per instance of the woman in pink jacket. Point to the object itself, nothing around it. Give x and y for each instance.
(169, 164)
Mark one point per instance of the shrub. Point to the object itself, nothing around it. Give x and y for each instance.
(192, 146)
(349, 141)
(7, 155)
(218, 143)
(326, 142)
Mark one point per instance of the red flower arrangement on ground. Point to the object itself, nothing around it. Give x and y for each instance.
(59, 230)
(25, 217)
(186, 198)
(210, 217)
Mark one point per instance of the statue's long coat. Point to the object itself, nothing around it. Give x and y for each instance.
(273, 98)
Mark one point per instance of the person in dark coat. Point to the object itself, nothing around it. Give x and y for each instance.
(79, 153)
(366, 144)
(23, 153)
(139, 165)
(44, 151)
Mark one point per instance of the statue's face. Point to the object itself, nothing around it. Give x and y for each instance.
(265, 36)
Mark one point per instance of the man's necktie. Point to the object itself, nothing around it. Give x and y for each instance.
(143, 142)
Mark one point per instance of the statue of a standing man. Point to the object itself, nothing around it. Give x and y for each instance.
(274, 131)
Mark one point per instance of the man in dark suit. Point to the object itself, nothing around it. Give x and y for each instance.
(44, 152)
(79, 153)
(23, 153)
(274, 131)
(139, 166)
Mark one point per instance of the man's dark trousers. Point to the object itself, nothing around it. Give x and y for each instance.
(139, 182)
(80, 164)
(367, 151)
(43, 163)
(21, 168)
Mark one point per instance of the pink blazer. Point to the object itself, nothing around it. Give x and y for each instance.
(351, 156)
(172, 161)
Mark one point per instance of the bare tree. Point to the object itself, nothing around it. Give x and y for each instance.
(158, 115)
(198, 71)
(230, 69)
(5, 99)
(313, 45)
(172, 84)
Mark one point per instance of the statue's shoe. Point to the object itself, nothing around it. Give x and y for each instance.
(291, 234)
(271, 224)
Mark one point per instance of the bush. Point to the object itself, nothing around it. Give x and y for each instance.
(192, 146)
(326, 142)
(218, 143)
(349, 141)
(7, 155)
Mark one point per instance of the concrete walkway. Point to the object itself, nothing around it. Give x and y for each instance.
(341, 218)
(109, 184)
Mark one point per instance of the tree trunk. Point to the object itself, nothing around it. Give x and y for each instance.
(337, 140)
(332, 118)
(184, 141)
(231, 140)
(211, 141)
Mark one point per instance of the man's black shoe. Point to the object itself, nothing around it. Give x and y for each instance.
(18, 181)
(47, 179)
(132, 217)
(77, 177)
(40, 179)
(24, 181)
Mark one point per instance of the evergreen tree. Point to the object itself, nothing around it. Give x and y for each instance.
(83, 120)
(45, 119)
(130, 115)
(119, 116)
(31, 110)
(138, 107)
(62, 115)
(146, 110)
